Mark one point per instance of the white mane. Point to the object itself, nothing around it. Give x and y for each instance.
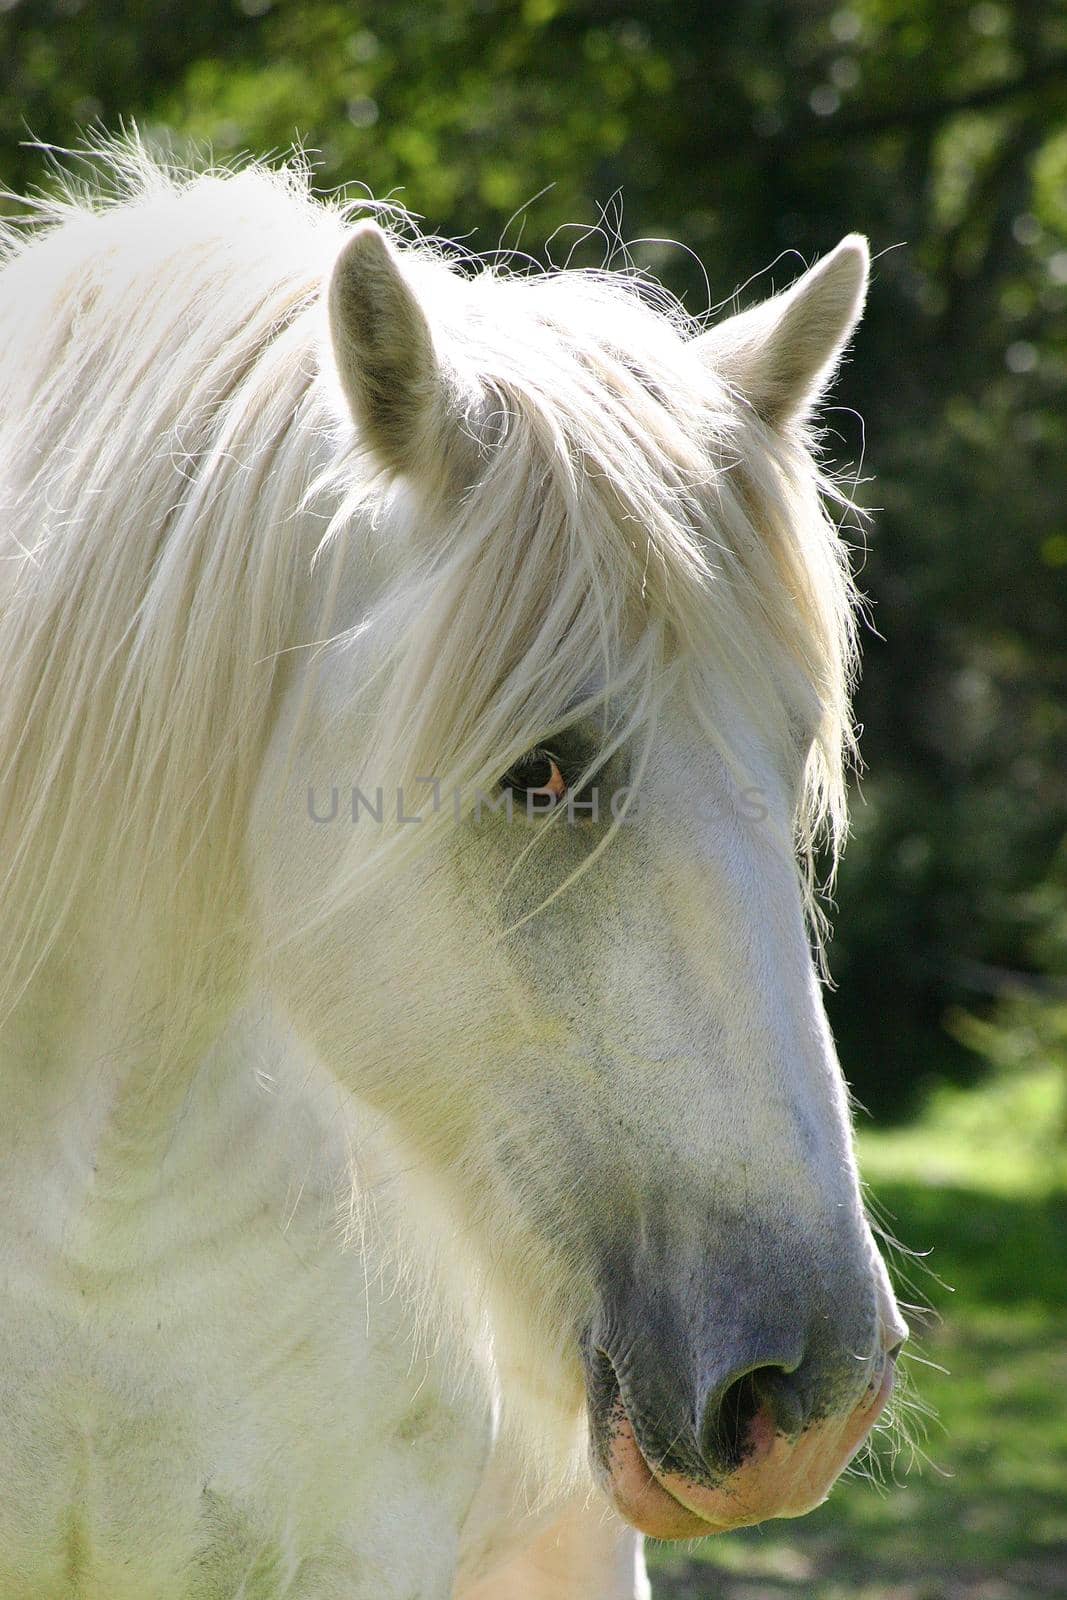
(173, 454)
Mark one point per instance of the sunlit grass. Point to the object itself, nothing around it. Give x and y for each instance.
(1006, 1138)
(966, 1495)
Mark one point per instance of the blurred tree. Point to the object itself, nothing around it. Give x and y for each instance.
(756, 132)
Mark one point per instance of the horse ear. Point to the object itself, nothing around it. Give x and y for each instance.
(781, 355)
(384, 351)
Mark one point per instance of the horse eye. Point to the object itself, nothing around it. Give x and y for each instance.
(536, 777)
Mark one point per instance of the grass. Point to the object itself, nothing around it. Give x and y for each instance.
(976, 1507)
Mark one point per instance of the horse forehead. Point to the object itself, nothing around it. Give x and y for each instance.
(603, 336)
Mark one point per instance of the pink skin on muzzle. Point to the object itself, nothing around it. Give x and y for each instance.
(779, 1477)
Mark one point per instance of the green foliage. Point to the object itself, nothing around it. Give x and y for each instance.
(751, 131)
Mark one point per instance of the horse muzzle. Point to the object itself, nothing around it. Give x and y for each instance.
(704, 1423)
(776, 1475)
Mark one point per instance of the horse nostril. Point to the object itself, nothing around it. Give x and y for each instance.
(732, 1411)
(728, 1419)
(783, 1399)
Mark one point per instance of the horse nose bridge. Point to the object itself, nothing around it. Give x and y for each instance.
(732, 1276)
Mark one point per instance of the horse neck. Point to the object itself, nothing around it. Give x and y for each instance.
(117, 1019)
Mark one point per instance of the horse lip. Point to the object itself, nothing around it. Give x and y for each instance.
(652, 1505)
(602, 1373)
(608, 1403)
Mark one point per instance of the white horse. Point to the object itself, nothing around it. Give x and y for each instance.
(414, 1082)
